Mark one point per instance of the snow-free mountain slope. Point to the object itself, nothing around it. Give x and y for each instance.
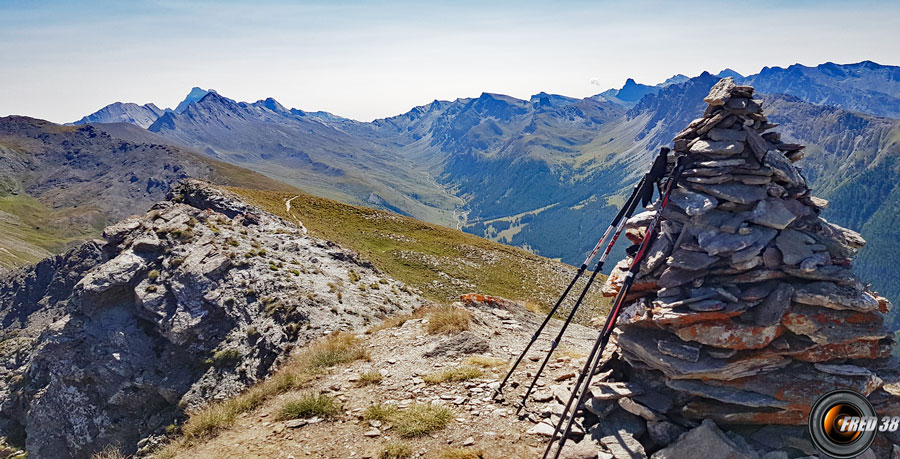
(140, 115)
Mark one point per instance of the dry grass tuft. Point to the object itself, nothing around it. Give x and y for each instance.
(109, 452)
(380, 412)
(416, 420)
(334, 350)
(453, 375)
(308, 406)
(395, 450)
(567, 352)
(421, 419)
(448, 319)
(484, 361)
(370, 377)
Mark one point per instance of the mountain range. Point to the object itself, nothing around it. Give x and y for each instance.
(547, 172)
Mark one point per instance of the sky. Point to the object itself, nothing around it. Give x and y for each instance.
(61, 60)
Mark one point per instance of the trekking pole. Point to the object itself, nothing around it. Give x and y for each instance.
(642, 192)
(593, 360)
(565, 293)
(629, 209)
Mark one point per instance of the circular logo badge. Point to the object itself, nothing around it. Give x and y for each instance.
(842, 424)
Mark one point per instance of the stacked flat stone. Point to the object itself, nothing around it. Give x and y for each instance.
(745, 309)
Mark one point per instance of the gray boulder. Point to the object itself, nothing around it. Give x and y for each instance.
(706, 440)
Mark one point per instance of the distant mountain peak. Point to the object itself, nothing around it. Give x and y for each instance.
(675, 79)
(633, 91)
(214, 98)
(273, 105)
(729, 73)
(124, 112)
(195, 95)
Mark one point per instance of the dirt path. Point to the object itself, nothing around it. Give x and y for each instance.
(399, 354)
(287, 204)
(287, 208)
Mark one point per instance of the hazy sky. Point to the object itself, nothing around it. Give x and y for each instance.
(364, 60)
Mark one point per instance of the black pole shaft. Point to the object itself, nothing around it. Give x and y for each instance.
(626, 210)
(590, 365)
(584, 379)
(629, 210)
(537, 332)
(559, 336)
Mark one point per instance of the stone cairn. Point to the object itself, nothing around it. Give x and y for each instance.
(745, 309)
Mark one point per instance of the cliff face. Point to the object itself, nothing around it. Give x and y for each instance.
(195, 300)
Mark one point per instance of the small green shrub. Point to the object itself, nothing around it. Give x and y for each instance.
(226, 357)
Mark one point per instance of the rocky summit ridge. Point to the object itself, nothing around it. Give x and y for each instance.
(193, 301)
(745, 309)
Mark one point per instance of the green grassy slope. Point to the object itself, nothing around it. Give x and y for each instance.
(441, 262)
(29, 230)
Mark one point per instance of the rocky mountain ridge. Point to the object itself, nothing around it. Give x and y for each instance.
(865, 86)
(195, 300)
(298, 148)
(557, 167)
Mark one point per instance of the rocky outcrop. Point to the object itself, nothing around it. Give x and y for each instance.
(193, 301)
(745, 309)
